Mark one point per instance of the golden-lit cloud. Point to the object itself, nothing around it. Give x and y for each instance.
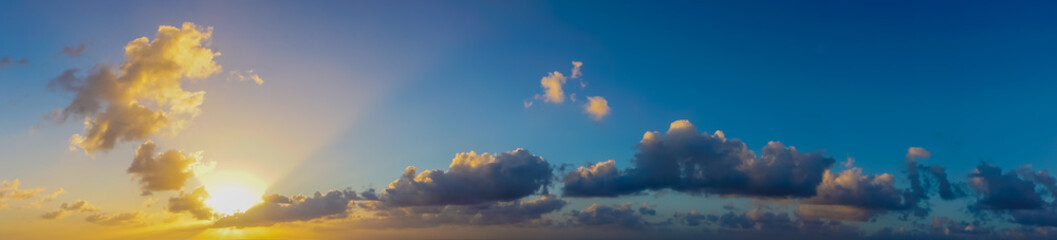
(552, 88)
(144, 95)
(66, 209)
(247, 75)
(9, 190)
(597, 107)
(165, 171)
(193, 203)
(127, 218)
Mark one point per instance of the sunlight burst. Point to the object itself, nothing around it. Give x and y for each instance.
(231, 192)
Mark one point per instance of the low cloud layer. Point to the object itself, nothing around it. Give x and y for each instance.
(277, 208)
(80, 206)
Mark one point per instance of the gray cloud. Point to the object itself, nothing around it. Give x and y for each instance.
(74, 51)
(8, 61)
(1016, 193)
(165, 171)
(688, 161)
(520, 212)
(612, 216)
(472, 178)
(66, 208)
(278, 208)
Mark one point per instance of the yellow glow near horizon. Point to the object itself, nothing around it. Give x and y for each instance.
(231, 192)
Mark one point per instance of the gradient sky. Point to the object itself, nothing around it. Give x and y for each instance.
(355, 92)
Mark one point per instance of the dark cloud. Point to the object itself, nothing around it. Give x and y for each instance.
(1022, 194)
(688, 161)
(692, 218)
(472, 178)
(165, 171)
(623, 216)
(1000, 191)
(519, 212)
(277, 209)
(8, 61)
(74, 51)
(193, 203)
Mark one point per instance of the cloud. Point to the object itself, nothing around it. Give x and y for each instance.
(576, 70)
(144, 94)
(193, 203)
(277, 208)
(597, 107)
(688, 161)
(851, 196)
(1015, 193)
(518, 212)
(692, 218)
(247, 75)
(129, 218)
(552, 88)
(66, 208)
(165, 171)
(1000, 191)
(9, 190)
(622, 216)
(74, 51)
(472, 178)
(8, 61)
(44, 199)
(918, 152)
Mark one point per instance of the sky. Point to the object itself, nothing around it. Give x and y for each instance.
(528, 119)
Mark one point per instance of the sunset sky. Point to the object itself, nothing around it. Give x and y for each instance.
(528, 120)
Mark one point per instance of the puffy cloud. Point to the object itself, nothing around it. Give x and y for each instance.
(856, 197)
(614, 216)
(8, 61)
(597, 107)
(692, 218)
(129, 218)
(144, 95)
(247, 75)
(193, 203)
(165, 171)
(688, 161)
(472, 178)
(1015, 193)
(1000, 191)
(518, 212)
(552, 88)
(918, 152)
(66, 208)
(74, 51)
(277, 208)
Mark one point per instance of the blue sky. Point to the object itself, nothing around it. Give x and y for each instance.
(355, 92)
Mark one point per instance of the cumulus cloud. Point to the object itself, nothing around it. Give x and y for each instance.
(66, 208)
(1024, 195)
(165, 171)
(8, 61)
(552, 88)
(74, 51)
(472, 178)
(144, 94)
(597, 107)
(851, 196)
(193, 203)
(576, 70)
(688, 161)
(278, 208)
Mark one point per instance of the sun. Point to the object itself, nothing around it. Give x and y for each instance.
(231, 192)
